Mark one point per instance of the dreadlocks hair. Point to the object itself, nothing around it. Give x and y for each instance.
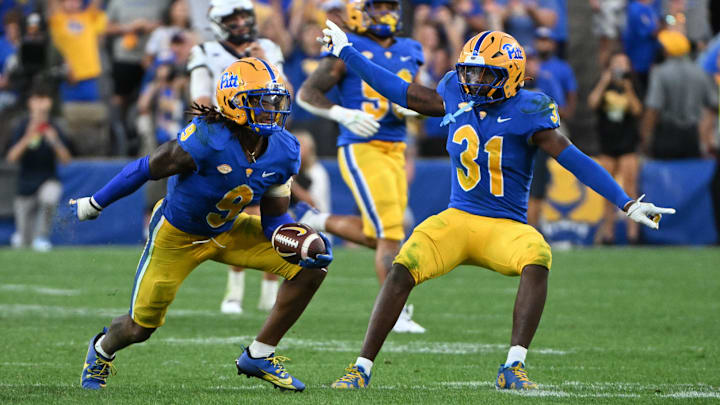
(212, 114)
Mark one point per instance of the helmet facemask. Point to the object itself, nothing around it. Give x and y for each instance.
(482, 84)
(384, 21)
(229, 25)
(266, 109)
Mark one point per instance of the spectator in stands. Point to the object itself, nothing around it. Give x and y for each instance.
(161, 115)
(541, 80)
(561, 29)
(312, 183)
(8, 57)
(546, 48)
(618, 111)
(520, 18)
(438, 61)
(163, 98)
(708, 60)
(37, 145)
(33, 53)
(175, 20)
(607, 23)
(639, 39)
(76, 34)
(691, 18)
(130, 23)
(679, 97)
(711, 65)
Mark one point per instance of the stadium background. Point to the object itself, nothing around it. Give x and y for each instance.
(566, 218)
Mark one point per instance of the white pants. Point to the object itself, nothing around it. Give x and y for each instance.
(34, 213)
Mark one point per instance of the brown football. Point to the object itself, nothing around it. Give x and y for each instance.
(295, 242)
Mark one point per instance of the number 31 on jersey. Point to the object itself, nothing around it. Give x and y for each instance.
(470, 177)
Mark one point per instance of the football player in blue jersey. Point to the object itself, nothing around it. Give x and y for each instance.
(495, 128)
(224, 160)
(371, 146)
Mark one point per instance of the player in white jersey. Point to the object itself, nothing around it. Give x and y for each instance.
(233, 22)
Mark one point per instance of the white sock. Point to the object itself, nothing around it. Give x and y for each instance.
(260, 350)
(269, 290)
(99, 349)
(235, 285)
(516, 353)
(365, 364)
(316, 221)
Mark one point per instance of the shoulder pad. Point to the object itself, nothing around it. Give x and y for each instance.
(533, 102)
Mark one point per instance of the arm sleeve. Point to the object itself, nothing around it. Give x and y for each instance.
(270, 224)
(131, 178)
(379, 78)
(592, 175)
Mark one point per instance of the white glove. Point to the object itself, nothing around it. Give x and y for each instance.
(358, 122)
(334, 38)
(86, 208)
(647, 213)
(405, 112)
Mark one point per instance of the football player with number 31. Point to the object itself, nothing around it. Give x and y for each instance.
(495, 128)
(224, 160)
(371, 146)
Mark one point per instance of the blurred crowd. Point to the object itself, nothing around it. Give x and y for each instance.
(114, 72)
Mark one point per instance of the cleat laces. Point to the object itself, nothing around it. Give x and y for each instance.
(101, 369)
(277, 362)
(520, 373)
(352, 373)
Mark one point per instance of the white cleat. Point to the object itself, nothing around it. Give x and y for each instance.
(230, 306)
(405, 324)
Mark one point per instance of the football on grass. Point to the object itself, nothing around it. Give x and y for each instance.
(295, 242)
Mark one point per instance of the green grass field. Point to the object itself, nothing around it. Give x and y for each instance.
(620, 326)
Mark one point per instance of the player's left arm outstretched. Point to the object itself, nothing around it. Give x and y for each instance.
(273, 213)
(412, 96)
(596, 177)
(165, 161)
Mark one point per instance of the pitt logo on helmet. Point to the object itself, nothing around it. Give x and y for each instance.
(378, 17)
(491, 67)
(512, 51)
(251, 92)
(228, 80)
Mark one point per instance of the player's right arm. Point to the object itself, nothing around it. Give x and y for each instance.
(167, 160)
(424, 100)
(311, 97)
(596, 177)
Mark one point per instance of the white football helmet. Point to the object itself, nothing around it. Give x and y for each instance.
(220, 9)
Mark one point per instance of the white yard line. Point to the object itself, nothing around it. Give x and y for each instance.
(354, 345)
(692, 394)
(59, 311)
(38, 289)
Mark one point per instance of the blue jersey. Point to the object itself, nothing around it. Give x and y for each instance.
(403, 58)
(490, 150)
(207, 201)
